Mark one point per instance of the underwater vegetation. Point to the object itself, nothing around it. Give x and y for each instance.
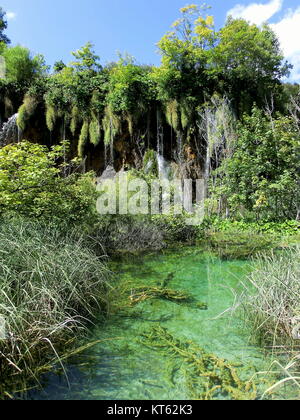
(207, 376)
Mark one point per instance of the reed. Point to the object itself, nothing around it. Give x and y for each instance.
(51, 286)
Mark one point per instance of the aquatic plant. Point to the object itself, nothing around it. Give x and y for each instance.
(207, 376)
(142, 293)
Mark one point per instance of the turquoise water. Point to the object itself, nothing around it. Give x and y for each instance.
(122, 367)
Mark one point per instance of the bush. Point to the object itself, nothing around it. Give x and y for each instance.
(129, 234)
(32, 185)
(51, 282)
(289, 227)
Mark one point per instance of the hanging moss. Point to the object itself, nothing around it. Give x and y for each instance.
(111, 125)
(94, 130)
(83, 139)
(30, 103)
(26, 110)
(75, 118)
(22, 117)
(129, 119)
(185, 112)
(172, 114)
(51, 116)
(95, 101)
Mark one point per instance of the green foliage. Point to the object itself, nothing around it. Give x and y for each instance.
(288, 227)
(250, 60)
(22, 117)
(21, 66)
(94, 132)
(75, 117)
(31, 185)
(130, 94)
(26, 111)
(237, 245)
(172, 114)
(175, 228)
(111, 125)
(86, 59)
(262, 175)
(83, 139)
(58, 66)
(50, 117)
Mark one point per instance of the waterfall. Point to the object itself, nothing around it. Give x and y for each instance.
(105, 155)
(10, 132)
(112, 153)
(179, 149)
(163, 167)
(161, 162)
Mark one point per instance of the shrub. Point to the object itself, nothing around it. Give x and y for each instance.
(129, 234)
(32, 185)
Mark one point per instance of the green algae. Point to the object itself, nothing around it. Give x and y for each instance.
(208, 377)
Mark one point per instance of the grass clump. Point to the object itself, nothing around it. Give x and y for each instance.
(207, 376)
(272, 306)
(51, 284)
(273, 300)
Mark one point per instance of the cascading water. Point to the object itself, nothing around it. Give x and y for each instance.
(161, 162)
(10, 132)
(163, 167)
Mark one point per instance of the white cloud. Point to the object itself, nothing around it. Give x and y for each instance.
(11, 15)
(256, 12)
(288, 32)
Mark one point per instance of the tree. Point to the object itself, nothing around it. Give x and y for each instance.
(3, 26)
(184, 53)
(262, 175)
(21, 66)
(86, 59)
(247, 63)
(58, 66)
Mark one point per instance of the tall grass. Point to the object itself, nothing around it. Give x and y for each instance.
(273, 301)
(272, 306)
(51, 284)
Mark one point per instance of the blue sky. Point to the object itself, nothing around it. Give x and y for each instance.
(57, 27)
